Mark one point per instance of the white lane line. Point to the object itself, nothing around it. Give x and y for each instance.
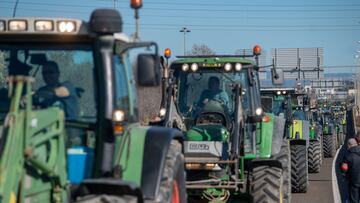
(335, 187)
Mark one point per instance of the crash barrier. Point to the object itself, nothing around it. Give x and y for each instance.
(343, 184)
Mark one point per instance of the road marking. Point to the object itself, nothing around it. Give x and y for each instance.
(335, 187)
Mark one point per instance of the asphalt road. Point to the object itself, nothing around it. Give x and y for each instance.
(320, 188)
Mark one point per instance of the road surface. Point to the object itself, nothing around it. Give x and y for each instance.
(320, 188)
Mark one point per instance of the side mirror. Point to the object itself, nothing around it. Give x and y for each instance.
(277, 76)
(253, 119)
(148, 70)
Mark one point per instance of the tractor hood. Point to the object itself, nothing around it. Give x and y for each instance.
(207, 133)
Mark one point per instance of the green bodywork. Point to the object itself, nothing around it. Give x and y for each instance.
(296, 129)
(130, 152)
(35, 141)
(208, 133)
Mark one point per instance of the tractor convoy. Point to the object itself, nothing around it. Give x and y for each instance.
(70, 130)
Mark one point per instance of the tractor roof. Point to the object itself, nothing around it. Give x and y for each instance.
(214, 59)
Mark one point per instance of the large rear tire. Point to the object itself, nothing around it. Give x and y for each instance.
(314, 156)
(172, 188)
(285, 159)
(329, 146)
(266, 184)
(299, 169)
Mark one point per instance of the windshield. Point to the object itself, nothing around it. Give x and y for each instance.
(64, 77)
(274, 104)
(198, 89)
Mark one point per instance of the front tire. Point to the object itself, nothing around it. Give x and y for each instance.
(172, 188)
(266, 184)
(299, 169)
(314, 156)
(329, 146)
(285, 159)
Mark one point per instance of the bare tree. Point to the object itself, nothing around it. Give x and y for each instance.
(201, 49)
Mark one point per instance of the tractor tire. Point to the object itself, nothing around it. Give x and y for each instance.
(329, 146)
(172, 188)
(314, 156)
(266, 184)
(107, 199)
(299, 169)
(284, 157)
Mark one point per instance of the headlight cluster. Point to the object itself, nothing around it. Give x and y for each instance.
(40, 25)
(227, 67)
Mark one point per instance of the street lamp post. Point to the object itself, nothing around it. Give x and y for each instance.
(185, 30)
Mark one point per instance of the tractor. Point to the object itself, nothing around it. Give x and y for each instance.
(329, 132)
(301, 130)
(232, 149)
(69, 124)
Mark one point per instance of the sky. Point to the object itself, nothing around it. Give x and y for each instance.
(227, 25)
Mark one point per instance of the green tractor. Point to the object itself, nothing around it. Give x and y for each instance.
(232, 148)
(69, 126)
(329, 133)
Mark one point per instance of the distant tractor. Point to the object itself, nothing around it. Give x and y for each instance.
(232, 148)
(69, 126)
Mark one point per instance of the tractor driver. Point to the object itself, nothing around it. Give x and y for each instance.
(56, 93)
(213, 93)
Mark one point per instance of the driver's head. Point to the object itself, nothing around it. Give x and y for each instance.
(50, 72)
(214, 83)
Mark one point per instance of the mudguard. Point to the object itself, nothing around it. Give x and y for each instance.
(298, 142)
(109, 186)
(157, 142)
(265, 162)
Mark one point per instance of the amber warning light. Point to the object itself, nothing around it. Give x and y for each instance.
(167, 53)
(257, 50)
(136, 4)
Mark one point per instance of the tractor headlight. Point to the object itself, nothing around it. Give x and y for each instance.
(284, 92)
(238, 66)
(66, 26)
(118, 116)
(258, 111)
(185, 67)
(2, 25)
(227, 67)
(200, 166)
(278, 92)
(17, 25)
(162, 112)
(44, 25)
(194, 67)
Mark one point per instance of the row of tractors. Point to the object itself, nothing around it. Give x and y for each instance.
(247, 140)
(219, 136)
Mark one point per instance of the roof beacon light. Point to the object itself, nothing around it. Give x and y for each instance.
(66, 26)
(17, 25)
(185, 67)
(257, 50)
(2, 25)
(44, 25)
(136, 4)
(227, 67)
(167, 53)
(238, 66)
(194, 67)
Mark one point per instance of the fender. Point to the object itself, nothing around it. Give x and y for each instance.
(265, 162)
(157, 142)
(297, 142)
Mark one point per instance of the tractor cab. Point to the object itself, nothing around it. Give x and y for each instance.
(69, 100)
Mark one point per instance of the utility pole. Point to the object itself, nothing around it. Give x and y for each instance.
(15, 8)
(185, 30)
(115, 4)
